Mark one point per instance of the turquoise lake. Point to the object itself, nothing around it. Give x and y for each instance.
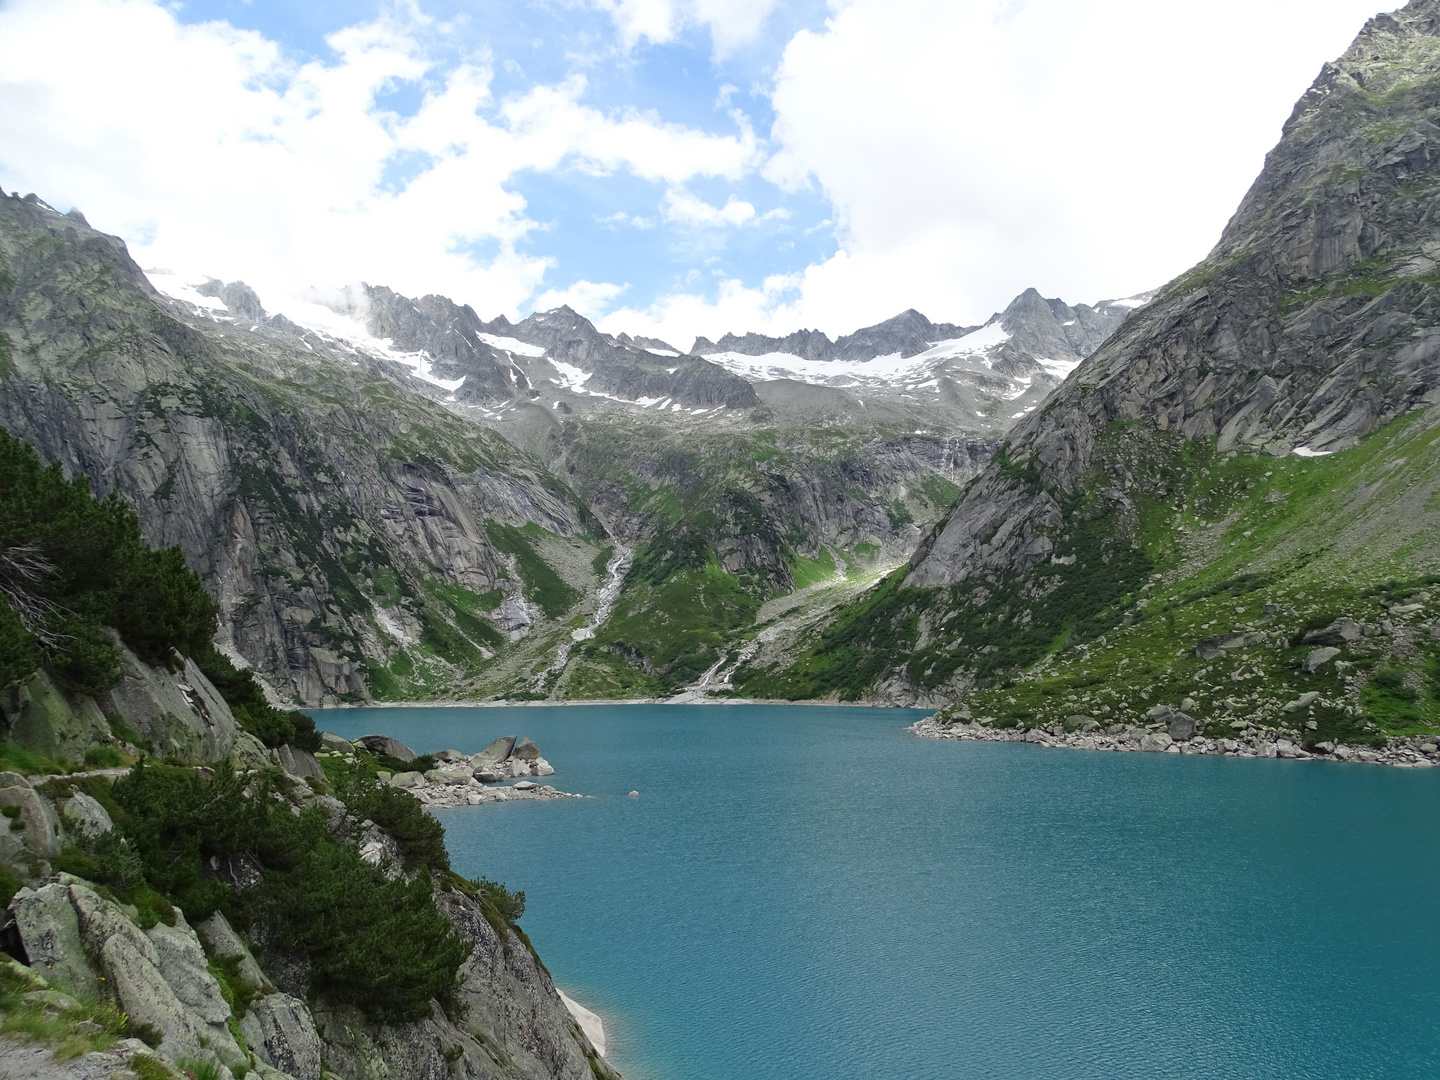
(813, 893)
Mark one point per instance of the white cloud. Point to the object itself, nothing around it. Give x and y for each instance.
(684, 208)
(589, 298)
(974, 148)
(731, 23)
(213, 153)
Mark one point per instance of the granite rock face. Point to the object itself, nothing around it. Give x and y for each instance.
(1311, 323)
(289, 471)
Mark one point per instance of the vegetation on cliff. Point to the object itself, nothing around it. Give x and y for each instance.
(72, 565)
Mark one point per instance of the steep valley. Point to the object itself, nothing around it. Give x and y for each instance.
(392, 499)
(1229, 510)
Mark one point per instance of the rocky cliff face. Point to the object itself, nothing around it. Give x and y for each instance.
(340, 520)
(1246, 460)
(99, 971)
(1311, 324)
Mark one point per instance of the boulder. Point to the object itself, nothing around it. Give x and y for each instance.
(454, 777)
(220, 939)
(541, 767)
(407, 780)
(1159, 714)
(499, 750)
(282, 1034)
(1181, 726)
(1155, 742)
(525, 750)
(1304, 701)
(174, 714)
(40, 830)
(488, 775)
(384, 744)
(1340, 632)
(1212, 648)
(335, 744)
(159, 978)
(250, 752)
(297, 762)
(86, 816)
(50, 931)
(450, 755)
(42, 719)
(1318, 658)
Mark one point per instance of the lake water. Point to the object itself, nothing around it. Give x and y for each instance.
(812, 893)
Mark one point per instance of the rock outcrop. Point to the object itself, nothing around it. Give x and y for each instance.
(172, 714)
(505, 1022)
(297, 477)
(1313, 322)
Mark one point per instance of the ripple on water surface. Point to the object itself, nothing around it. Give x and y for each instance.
(810, 892)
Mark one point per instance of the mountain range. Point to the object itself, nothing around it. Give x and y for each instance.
(392, 497)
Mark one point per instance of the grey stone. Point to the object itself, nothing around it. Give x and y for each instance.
(86, 816)
(541, 767)
(1181, 726)
(297, 762)
(1153, 742)
(1319, 658)
(450, 755)
(335, 744)
(488, 775)
(50, 932)
(43, 719)
(220, 939)
(525, 750)
(174, 714)
(40, 831)
(1340, 632)
(1158, 714)
(407, 780)
(1212, 648)
(144, 972)
(281, 1032)
(448, 776)
(384, 744)
(498, 750)
(1304, 701)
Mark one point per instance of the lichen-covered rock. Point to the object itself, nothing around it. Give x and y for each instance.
(158, 978)
(50, 932)
(297, 762)
(220, 939)
(40, 718)
(39, 828)
(281, 1033)
(86, 816)
(498, 750)
(384, 744)
(181, 715)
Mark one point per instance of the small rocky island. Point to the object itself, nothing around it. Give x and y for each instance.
(451, 778)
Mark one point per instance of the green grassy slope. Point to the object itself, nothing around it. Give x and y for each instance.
(1211, 544)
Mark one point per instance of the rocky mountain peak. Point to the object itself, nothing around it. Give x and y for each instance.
(1313, 322)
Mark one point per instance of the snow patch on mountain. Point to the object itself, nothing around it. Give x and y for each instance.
(880, 371)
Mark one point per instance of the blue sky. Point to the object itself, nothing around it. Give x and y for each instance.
(671, 167)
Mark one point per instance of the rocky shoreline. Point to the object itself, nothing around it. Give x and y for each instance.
(456, 779)
(1418, 753)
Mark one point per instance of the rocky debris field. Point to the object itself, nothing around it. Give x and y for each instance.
(453, 778)
(1414, 753)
